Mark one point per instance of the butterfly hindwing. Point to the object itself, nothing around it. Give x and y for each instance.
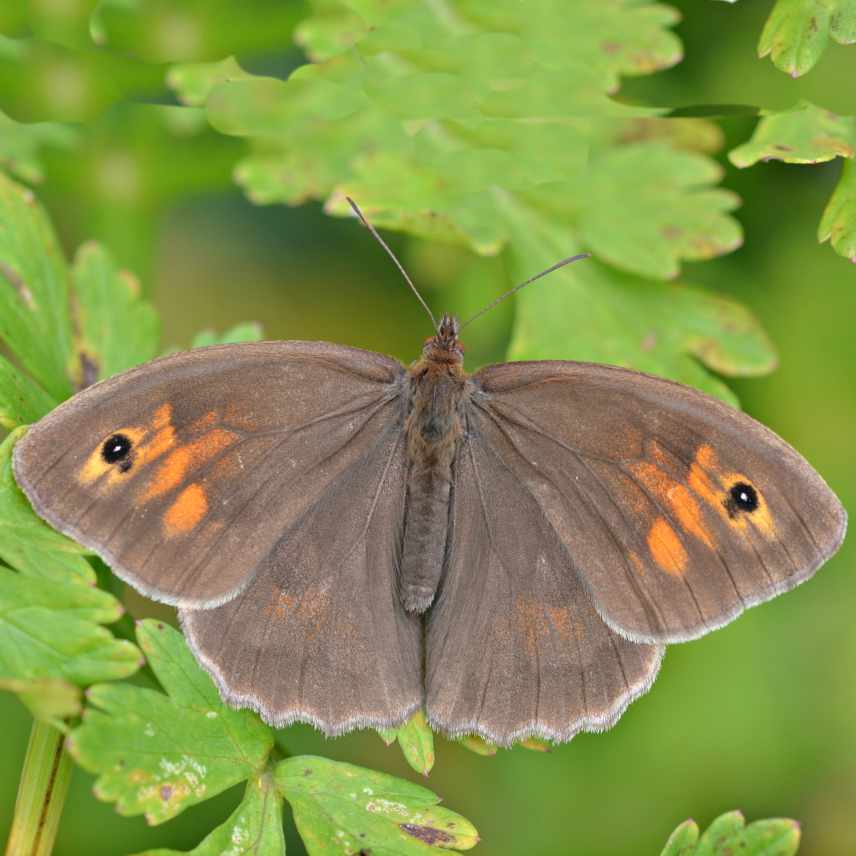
(320, 635)
(675, 510)
(514, 646)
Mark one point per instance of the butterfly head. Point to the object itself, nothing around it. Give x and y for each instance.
(444, 347)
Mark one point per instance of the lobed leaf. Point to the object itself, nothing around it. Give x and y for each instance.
(809, 134)
(804, 134)
(729, 834)
(158, 754)
(597, 314)
(799, 31)
(117, 330)
(475, 126)
(838, 223)
(342, 808)
(255, 827)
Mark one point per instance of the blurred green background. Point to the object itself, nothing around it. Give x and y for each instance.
(760, 715)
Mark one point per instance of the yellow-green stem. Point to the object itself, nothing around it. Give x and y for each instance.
(41, 793)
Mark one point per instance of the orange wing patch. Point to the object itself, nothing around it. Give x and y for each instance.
(186, 511)
(666, 548)
(182, 460)
(674, 495)
(708, 481)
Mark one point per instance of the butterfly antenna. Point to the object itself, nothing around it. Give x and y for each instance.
(392, 256)
(531, 279)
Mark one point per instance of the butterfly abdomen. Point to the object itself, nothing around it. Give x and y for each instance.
(433, 430)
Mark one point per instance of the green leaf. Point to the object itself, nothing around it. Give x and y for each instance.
(21, 144)
(27, 543)
(799, 31)
(416, 740)
(647, 207)
(193, 82)
(34, 319)
(50, 629)
(810, 134)
(158, 754)
(595, 313)
(803, 134)
(255, 827)
(118, 330)
(838, 224)
(249, 331)
(342, 808)
(50, 700)
(493, 128)
(729, 834)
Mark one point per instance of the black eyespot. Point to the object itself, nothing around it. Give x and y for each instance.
(116, 450)
(743, 497)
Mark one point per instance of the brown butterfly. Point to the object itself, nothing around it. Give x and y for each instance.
(349, 539)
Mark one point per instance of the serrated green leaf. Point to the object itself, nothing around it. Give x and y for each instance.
(249, 331)
(810, 134)
(446, 124)
(48, 630)
(20, 145)
(158, 754)
(342, 808)
(798, 32)
(416, 740)
(838, 224)
(803, 134)
(117, 330)
(49, 700)
(34, 320)
(27, 543)
(647, 207)
(594, 313)
(255, 827)
(729, 834)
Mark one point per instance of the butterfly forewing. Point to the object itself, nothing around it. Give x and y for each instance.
(676, 511)
(183, 474)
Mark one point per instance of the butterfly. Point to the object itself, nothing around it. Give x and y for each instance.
(348, 539)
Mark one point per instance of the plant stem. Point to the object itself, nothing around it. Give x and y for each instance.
(41, 793)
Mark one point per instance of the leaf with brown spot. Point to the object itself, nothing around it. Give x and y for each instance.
(253, 829)
(341, 808)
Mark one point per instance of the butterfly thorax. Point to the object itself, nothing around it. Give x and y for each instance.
(434, 426)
